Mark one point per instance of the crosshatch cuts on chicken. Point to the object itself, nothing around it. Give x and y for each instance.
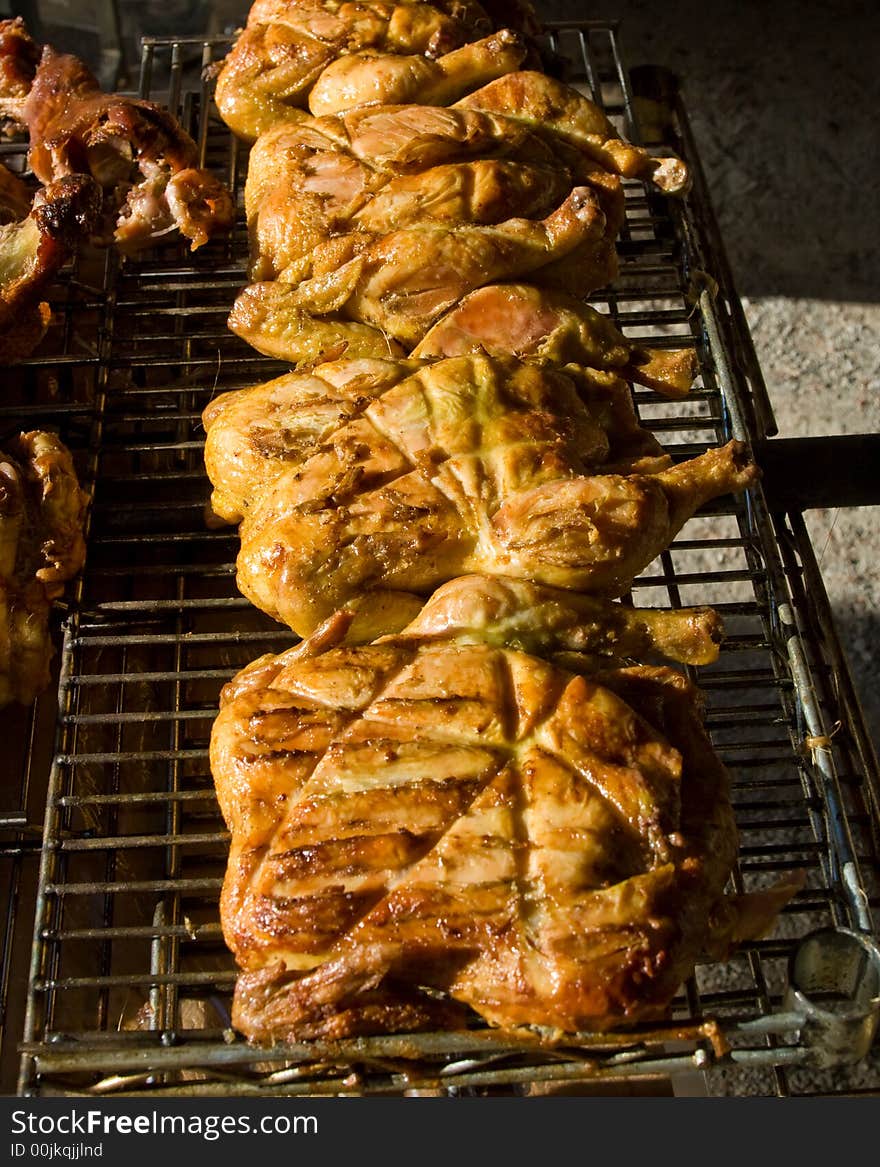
(378, 481)
(439, 812)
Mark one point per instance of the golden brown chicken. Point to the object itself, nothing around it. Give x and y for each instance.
(469, 464)
(267, 77)
(388, 216)
(383, 79)
(549, 325)
(403, 282)
(41, 546)
(313, 198)
(254, 434)
(145, 163)
(33, 248)
(440, 819)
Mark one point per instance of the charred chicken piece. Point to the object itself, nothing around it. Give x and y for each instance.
(142, 159)
(268, 75)
(33, 249)
(41, 546)
(469, 464)
(441, 812)
(548, 325)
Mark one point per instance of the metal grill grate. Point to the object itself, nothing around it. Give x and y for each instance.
(130, 980)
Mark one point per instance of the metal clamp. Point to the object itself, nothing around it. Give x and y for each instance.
(834, 988)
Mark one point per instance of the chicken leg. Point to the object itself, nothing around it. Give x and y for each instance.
(367, 79)
(545, 103)
(552, 326)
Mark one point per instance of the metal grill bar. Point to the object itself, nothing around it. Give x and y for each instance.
(134, 844)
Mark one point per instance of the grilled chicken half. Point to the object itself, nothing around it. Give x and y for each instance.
(386, 217)
(42, 510)
(473, 463)
(441, 820)
(144, 162)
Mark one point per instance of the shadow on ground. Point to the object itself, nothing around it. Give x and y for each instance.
(783, 97)
(859, 633)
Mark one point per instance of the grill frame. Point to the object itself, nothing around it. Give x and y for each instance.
(155, 568)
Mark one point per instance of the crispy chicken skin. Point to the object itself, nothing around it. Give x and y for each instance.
(441, 811)
(387, 216)
(549, 325)
(145, 163)
(33, 248)
(41, 546)
(372, 78)
(278, 57)
(472, 463)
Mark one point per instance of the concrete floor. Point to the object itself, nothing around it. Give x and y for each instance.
(782, 96)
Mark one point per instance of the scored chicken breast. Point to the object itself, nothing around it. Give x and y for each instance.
(440, 819)
(468, 464)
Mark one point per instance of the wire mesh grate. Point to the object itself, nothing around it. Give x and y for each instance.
(131, 982)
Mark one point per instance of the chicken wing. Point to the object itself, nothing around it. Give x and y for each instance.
(143, 160)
